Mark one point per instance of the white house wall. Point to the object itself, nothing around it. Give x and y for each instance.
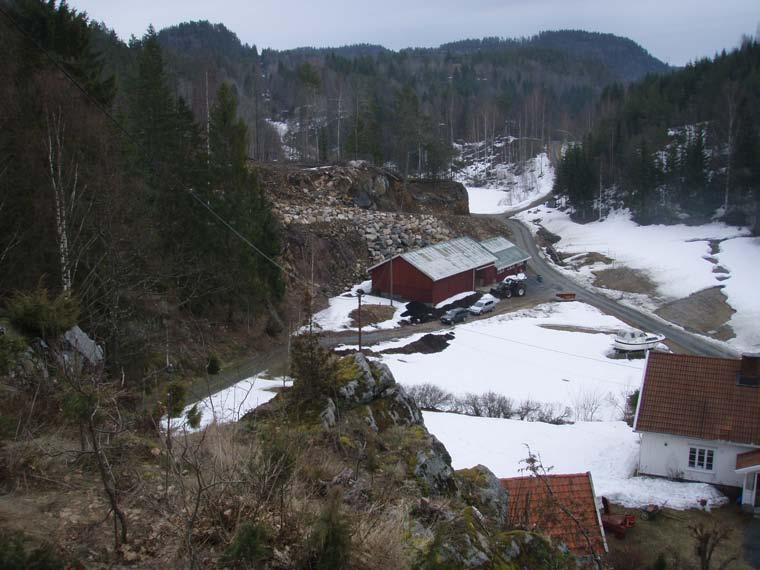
(668, 456)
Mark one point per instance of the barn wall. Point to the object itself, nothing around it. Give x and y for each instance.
(452, 285)
(408, 281)
(485, 276)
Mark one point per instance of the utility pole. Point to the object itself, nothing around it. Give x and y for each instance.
(208, 122)
(360, 294)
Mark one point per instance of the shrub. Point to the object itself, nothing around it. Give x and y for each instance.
(214, 365)
(176, 393)
(193, 417)
(15, 556)
(35, 313)
(329, 546)
(10, 349)
(311, 366)
(430, 397)
(249, 547)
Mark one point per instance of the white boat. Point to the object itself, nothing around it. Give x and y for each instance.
(629, 341)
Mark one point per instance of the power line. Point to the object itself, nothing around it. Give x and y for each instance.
(129, 135)
(551, 349)
(65, 71)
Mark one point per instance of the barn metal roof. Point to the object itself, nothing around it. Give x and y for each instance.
(449, 258)
(507, 254)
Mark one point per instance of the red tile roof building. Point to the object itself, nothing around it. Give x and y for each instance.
(561, 506)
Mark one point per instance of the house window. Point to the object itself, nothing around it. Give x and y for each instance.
(701, 458)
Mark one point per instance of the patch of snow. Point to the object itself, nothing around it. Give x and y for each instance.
(283, 130)
(740, 256)
(336, 316)
(608, 449)
(673, 257)
(676, 258)
(506, 189)
(231, 404)
(454, 299)
(513, 355)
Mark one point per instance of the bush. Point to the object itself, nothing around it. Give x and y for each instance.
(311, 366)
(250, 546)
(35, 313)
(430, 397)
(214, 365)
(330, 539)
(11, 348)
(176, 393)
(15, 556)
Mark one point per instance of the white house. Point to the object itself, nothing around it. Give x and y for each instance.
(699, 420)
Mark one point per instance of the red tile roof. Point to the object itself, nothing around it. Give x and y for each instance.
(698, 396)
(748, 459)
(544, 502)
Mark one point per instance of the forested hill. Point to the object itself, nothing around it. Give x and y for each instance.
(682, 144)
(407, 106)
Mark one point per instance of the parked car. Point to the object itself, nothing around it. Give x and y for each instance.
(484, 305)
(509, 287)
(454, 316)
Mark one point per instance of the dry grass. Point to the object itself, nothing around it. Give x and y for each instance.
(705, 312)
(625, 279)
(670, 535)
(372, 314)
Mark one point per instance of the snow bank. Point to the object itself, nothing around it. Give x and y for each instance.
(506, 190)
(336, 316)
(232, 403)
(741, 257)
(608, 449)
(514, 355)
(454, 299)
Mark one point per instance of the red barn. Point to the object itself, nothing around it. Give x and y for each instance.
(435, 273)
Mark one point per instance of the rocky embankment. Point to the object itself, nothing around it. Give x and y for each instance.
(350, 217)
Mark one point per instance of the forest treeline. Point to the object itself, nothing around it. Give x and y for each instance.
(403, 107)
(685, 144)
(106, 184)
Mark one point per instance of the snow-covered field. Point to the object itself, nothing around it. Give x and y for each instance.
(231, 404)
(504, 189)
(514, 355)
(336, 316)
(673, 257)
(608, 449)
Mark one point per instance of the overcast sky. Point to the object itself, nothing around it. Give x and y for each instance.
(676, 31)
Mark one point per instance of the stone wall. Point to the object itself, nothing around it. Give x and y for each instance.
(385, 233)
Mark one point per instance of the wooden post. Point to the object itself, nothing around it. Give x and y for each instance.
(359, 294)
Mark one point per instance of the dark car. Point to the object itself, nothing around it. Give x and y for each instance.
(454, 316)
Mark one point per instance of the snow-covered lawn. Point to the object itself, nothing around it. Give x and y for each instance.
(514, 355)
(505, 190)
(673, 257)
(608, 449)
(336, 316)
(231, 404)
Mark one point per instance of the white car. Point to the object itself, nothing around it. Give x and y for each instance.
(484, 305)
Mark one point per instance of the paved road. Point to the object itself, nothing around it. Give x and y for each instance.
(691, 343)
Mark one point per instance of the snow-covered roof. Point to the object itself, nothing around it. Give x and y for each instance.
(507, 254)
(449, 258)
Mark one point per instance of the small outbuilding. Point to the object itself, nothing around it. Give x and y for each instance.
(562, 506)
(437, 272)
(510, 259)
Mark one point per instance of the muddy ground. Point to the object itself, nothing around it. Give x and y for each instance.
(704, 312)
